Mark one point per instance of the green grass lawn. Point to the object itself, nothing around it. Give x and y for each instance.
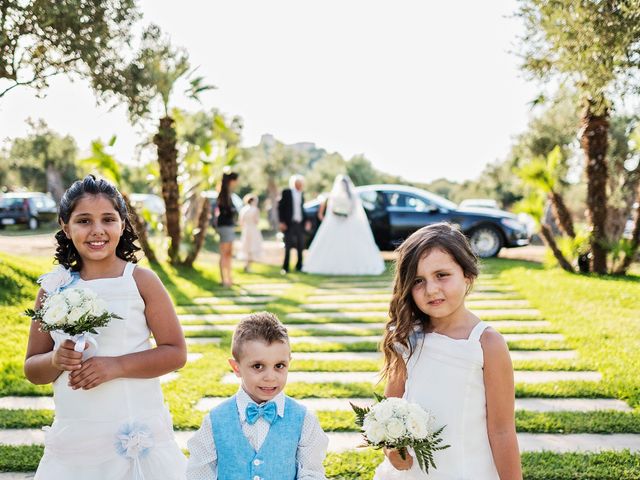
(597, 315)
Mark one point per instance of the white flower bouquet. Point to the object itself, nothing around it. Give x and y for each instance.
(396, 423)
(341, 205)
(74, 311)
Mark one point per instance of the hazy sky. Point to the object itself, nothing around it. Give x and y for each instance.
(423, 89)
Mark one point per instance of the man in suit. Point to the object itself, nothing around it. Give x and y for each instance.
(293, 221)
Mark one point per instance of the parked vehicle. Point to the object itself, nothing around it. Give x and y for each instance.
(212, 195)
(479, 203)
(630, 223)
(27, 208)
(396, 211)
(492, 204)
(151, 208)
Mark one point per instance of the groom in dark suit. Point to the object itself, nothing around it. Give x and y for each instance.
(293, 221)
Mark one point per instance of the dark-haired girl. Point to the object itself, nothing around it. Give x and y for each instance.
(440, 355)
(226, 215)
(110, 419)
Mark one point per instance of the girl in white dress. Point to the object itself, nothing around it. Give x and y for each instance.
(440, 355)
(251, 237)
(344, 244)
(110, 419)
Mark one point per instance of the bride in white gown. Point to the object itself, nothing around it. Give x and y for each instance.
(344, 244)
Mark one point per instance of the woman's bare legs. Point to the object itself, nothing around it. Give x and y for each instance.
(226, 253)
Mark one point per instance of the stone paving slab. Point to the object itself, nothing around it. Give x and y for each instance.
(529, 442)
(374, 296)
(530, 377)
(246, 309)
(341, 441)
(344, 441)
(509, 337)
(331, 327)
(488, 313)
(341, 285)
(239, 299)
(359, 356)
(335, 339)
(506, 304)
(528, 404)
(340, 356)
(202, 340)
(321, 292)
(356, 278)
(584, 442)
(493, 288)
(17, 475)
(169, 377)
(259, 286)
(211, 317)
(381, 297)
(354, 326)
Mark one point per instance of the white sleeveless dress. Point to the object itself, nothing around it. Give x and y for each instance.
(445, 376)
(120, 430)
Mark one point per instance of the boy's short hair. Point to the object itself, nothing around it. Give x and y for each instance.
(261, 326)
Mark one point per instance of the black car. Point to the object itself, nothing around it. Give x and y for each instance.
(27, 208)
(396, 211)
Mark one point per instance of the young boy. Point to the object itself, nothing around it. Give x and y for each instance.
(259, 433)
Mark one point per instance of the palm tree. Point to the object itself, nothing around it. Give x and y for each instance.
(150, 78)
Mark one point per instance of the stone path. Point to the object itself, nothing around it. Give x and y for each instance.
(345, 303)
(515, 355)
(348, 327)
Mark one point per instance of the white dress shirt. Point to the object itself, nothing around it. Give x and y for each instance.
(296, 198)
(203, 460)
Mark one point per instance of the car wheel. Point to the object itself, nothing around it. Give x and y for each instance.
(485, 241)
(33, 223)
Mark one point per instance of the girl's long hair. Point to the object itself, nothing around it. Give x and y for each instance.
(404, 315)
(224, 196)
(66, 253)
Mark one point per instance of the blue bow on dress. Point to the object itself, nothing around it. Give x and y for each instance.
(268, 411)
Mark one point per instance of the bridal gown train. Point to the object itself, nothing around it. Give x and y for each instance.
(344, 245)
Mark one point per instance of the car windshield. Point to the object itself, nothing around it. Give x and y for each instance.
(418, 199)
(11, 202)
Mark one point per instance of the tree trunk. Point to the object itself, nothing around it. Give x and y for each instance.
(54, 182)
(594, 142)
(562, 214)
(635, 242)
(548, 238)
(165, 141)
(200, 233)
(140, 226)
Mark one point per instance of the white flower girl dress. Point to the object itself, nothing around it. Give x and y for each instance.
(120, 429)
(445, 377)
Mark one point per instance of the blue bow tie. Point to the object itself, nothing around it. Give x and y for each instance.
(268, 411)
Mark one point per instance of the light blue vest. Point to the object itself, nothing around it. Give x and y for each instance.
(276, 459)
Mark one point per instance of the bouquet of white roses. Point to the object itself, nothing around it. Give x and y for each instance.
(74, 311)
(396, 423)
(341, 205)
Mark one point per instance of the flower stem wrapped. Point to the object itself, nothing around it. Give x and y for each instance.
(396, 423)
(74, 311)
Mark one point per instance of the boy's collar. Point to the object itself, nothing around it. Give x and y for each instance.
(243, 399)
